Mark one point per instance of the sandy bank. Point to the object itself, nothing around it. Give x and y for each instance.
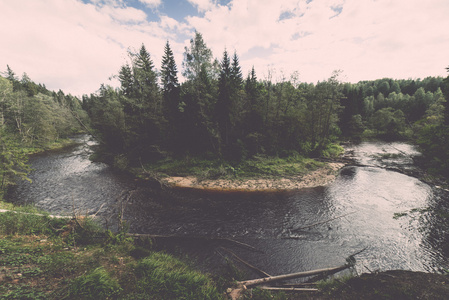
(319, 177)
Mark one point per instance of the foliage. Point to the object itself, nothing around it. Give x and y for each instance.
(42, 259)
(433, 133)
(31, 117)
(258, 167)
(97, 284)
(161, 276)
(213, 111)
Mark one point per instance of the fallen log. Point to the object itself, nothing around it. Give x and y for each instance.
(260, 281)
(288, 289)
(243, 285)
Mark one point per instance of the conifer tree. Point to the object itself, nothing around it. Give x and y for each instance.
(126, 80)
(223, 107)
(236, 73)
(170, 93)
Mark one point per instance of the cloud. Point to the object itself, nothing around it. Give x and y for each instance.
(151, 3)
(202, 5)
(74, 46)
(368, 39)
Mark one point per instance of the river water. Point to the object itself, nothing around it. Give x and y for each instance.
(295, 231)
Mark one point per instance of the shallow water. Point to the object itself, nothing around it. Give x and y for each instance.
(362, 203)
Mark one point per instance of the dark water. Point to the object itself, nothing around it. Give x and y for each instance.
(363, 201)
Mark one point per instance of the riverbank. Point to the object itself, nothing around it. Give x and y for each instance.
(319, 177)
(47, 258)
(257, 174)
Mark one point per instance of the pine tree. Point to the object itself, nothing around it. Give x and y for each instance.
(11, 76)
(126, 80)
(236, 73)
(169, 72)
(223, 107)
(170, 93)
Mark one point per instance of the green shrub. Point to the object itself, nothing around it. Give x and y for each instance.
(161, 276)
(332, 150)
(97, 284)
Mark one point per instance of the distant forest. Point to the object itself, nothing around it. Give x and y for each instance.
(218, 112)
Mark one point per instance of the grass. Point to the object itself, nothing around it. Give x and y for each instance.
(46, 258)
(257, 167)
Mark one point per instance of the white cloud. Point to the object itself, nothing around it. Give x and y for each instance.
(368, 39)
(124, 14)
(151, 3)
(202, 5)
(74, 46)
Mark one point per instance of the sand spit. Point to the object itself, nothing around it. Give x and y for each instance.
(319, 177)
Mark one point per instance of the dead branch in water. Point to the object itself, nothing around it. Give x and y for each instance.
(288, 289)
(257, 270)
(243, 285)
(260, 281)
(228, 240)
(323, 222)
(323, 273)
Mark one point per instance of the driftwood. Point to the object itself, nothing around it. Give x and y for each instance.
(257, 270)
(35, 214)
(243, 285)
(323, 222)
(260, 281)
(228, 240)
(288, 289)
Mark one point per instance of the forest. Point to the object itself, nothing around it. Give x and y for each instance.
(219, 113)
(32, 119)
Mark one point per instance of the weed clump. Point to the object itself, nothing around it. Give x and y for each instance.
(97, 284)
(161, 276)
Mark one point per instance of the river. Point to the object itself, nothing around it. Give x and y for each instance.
(361, 205)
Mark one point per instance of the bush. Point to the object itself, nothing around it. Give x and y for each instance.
(161, 276)
(25, 221)
(97, 284)
(332, 150)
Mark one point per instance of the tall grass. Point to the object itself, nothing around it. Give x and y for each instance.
(161, 276)
(28, 220)
(97, 284)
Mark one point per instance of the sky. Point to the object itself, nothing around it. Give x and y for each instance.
(77, 45)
